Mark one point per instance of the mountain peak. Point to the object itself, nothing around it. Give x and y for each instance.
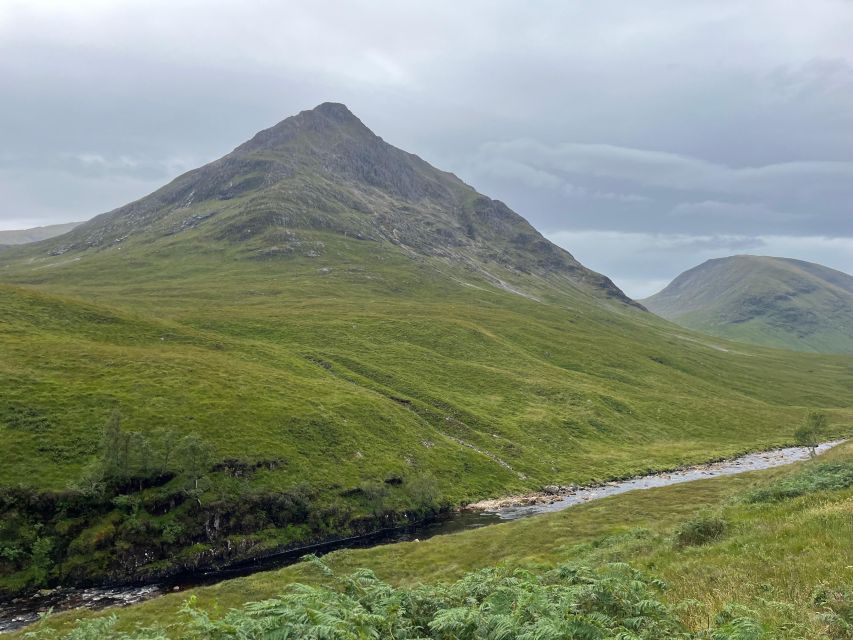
(329, 120)
(334, 110)
(323, 171)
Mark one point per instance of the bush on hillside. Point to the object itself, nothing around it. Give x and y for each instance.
(820, 477)
(702, 529)
(836, 610)
(809, 433)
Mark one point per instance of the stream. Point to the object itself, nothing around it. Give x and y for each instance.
(22, 611)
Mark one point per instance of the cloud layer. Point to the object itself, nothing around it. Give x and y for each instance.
(641, 189)
(641, 127)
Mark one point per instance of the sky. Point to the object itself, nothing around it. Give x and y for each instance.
(643, 137)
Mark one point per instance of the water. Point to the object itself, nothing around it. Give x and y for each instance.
(749, 462)
(22, 611)
(19, 612)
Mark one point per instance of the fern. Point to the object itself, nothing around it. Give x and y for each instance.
(567, 603)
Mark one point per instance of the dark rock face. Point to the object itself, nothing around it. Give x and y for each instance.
(324, 169)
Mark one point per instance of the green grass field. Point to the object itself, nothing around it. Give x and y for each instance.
(396, 361)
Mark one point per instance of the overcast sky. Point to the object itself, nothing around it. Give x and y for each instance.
(644, 137)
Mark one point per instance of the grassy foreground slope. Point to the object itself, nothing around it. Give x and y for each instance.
(778, 544)
(355, 335)
(776, 302)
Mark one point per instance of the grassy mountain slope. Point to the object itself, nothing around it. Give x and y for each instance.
(782, 552)
(776, 302)
(329, 313)
(22, 236)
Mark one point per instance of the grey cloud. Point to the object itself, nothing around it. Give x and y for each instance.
(609, 120)
(815, 79)
(654, 168)
(736, 211)
(95, 165)
(576, 191)
(680, 193)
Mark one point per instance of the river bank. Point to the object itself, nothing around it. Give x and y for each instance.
(19, 612)
(556, 498)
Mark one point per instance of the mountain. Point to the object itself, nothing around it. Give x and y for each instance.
(320, 335)
(22, 236)
(324, 170)
(777, 302)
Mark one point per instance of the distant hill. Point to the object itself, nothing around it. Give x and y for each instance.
(23, 236)
(777, 302)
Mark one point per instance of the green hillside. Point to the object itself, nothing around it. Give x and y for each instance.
(776, 302)
(355, 338)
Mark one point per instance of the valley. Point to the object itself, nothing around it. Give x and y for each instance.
(321, 336)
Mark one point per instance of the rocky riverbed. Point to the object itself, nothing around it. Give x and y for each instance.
(558, 497)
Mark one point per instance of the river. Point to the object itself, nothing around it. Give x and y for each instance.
(19, 612)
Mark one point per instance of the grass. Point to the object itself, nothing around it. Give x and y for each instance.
(818, 477)
(383, 366)
(783, 560)
(702, 529)
(273, 359)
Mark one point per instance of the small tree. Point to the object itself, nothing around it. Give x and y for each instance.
(114, 450)
(423, 493)
(166, 442)
(91, 480)
(194, 457)
(41, 563)
(809, 433)
(140, 456)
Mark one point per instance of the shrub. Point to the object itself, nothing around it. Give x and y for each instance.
(375, 496)
(821, 477)
(836, 610)
(423, 493)
(735, 622)
(41, 562)
(702, 529)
